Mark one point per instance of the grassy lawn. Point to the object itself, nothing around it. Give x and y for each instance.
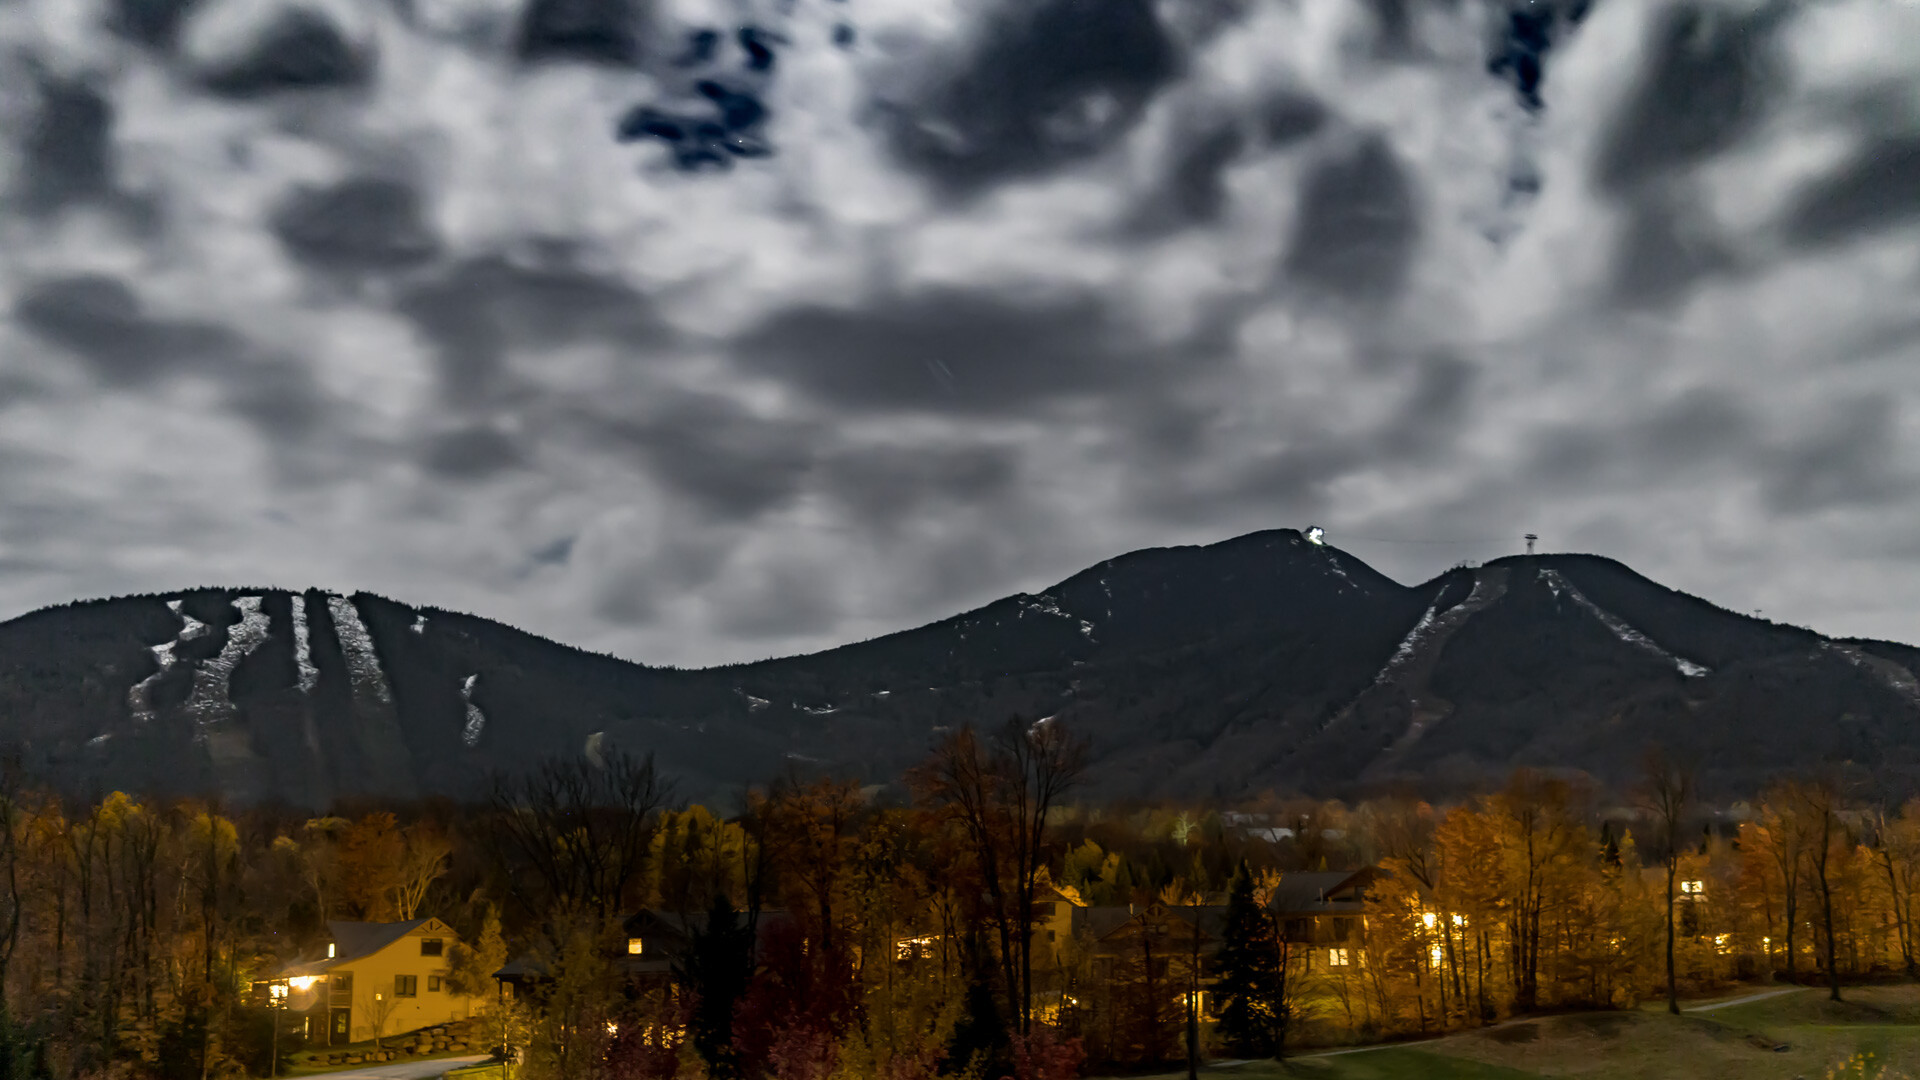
(1798, 1034)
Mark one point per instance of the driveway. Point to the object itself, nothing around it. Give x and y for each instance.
(407, 1070)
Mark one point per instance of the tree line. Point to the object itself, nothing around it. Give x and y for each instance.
(981, 924)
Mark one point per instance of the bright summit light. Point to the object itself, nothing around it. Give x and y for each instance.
(1316, 535)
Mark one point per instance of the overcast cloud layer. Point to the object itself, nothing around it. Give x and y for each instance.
(710, 330)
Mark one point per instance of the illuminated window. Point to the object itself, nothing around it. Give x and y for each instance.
(1720, 942)
(1337, 958)
(329, 950)
(1693, 888)
(634, 945)
(915, 948)
(1434, 956)
(1428, 918)
(1459, 920)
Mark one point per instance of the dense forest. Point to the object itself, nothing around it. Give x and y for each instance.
(990, 924)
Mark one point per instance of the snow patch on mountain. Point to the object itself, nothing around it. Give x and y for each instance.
(1619, 628)
(476, 720)
(1893, 675)
(303, 646)
(211, 700)
(363, 664)
(419, 624)
(140, 694)
(1047, 604)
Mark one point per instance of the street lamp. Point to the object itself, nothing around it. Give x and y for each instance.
(276, 1000)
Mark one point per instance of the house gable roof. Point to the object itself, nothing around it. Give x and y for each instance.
(358, 940)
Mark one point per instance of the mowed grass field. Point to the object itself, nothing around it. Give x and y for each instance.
(1740, 1042)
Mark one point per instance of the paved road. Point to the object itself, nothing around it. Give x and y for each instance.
(1764, 995)
(406, 1070)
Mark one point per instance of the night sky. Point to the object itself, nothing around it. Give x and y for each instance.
(698, 331)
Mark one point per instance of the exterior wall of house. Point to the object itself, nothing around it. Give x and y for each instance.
(371, 990)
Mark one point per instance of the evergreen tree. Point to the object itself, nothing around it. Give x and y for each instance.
(717, 971)
(1250, 983)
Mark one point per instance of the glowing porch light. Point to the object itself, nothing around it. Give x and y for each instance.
(303, 982)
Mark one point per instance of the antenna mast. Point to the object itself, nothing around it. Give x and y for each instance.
(1531, 537)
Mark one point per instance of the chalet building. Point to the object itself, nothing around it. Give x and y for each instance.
(654, 944)
(368, 980)
(1322, 911)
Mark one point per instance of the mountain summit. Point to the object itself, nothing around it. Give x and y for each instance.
(1267, 661)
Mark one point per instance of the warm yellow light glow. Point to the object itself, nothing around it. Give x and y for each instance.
(915, 947)
(303, 982)
(277, 991)
(634, 946)
(1693, 888)
(1336, 958)
(1720, 942)
(613, 1028)
(1429, 918)
(1434, 956)
(1459, 920)
(330, 947)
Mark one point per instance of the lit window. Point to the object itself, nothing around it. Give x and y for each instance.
(1693, 888)
(1720, 942)
(1428, 918)
(1459, 920)
(914, 948)
(329, 950)
(633, 946)
(1434, 956)
(1337, 958)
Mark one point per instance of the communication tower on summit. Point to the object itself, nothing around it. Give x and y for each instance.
(1530, 539)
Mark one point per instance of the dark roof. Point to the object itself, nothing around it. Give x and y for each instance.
(353, 940)
(1306, 893)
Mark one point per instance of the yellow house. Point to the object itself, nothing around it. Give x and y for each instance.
(368, 980)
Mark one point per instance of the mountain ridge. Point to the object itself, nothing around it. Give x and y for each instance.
(1265, 661)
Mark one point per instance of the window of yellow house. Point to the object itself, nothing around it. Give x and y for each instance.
(432, 946)
(633, 946)
(1337, 958)
(406, 985)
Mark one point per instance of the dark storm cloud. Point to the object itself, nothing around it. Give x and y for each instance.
(1290, 116)
(100, 318)
(587, 31)
(951, 350)
(1195, 191)
(1851, 459)
(1700, 430)
(150, 22)
(885, 485)
(1663, 251)
(1051, 83)
(68, 154)
(786, 601)
(471, 453)
(1879, 189)
(712, 451)
(364, 223)
(1709, 79)
(301, 49)
(1357, 226)
(488, 304)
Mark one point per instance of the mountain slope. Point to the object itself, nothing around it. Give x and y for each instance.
(1265, 661)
